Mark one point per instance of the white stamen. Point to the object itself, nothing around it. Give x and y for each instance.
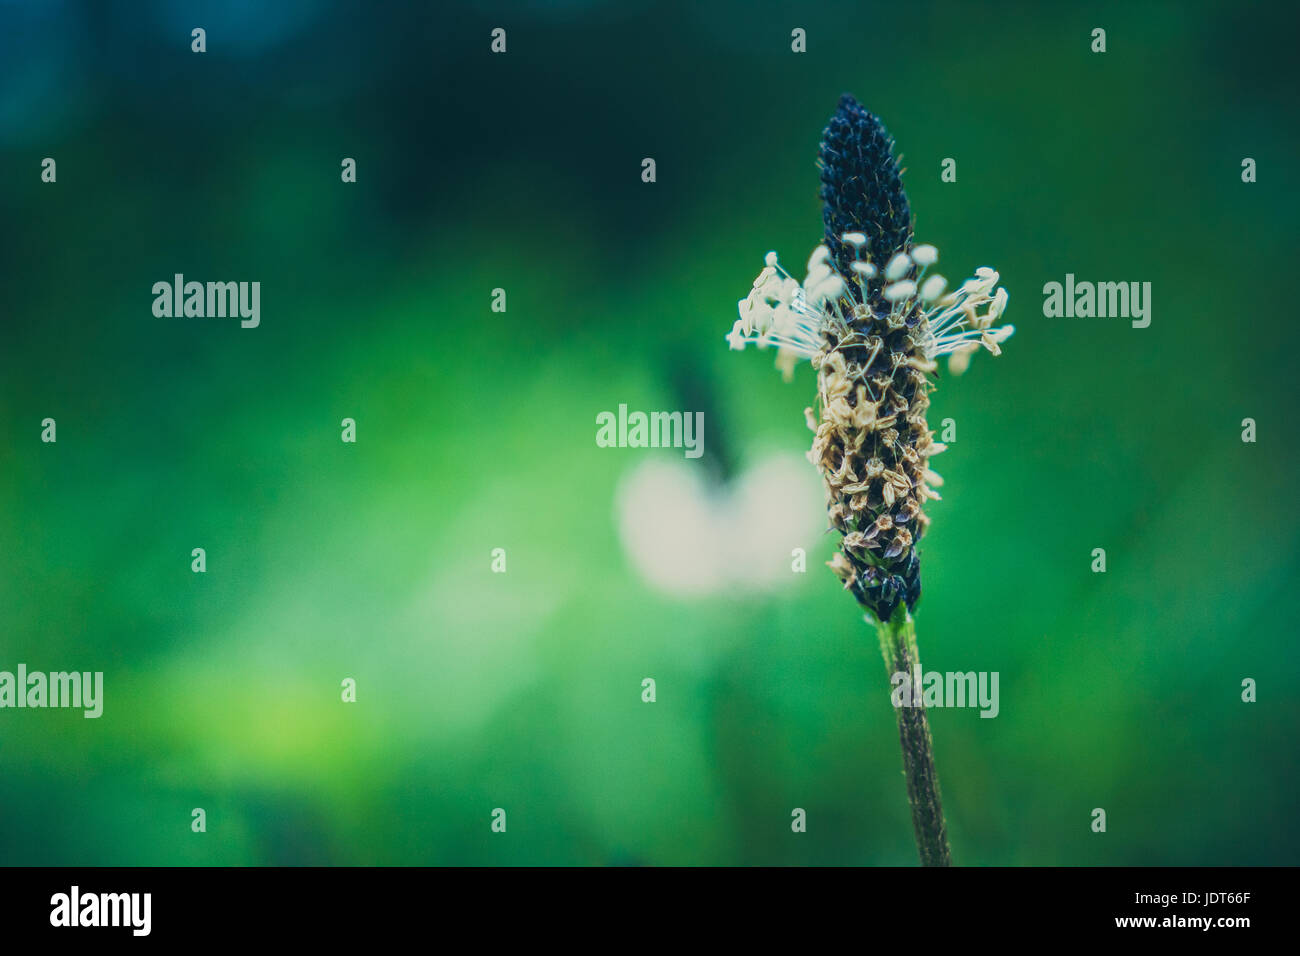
(933, 288)
(900, 290)
(925, 256)
(898, 266)
(999, 304)
(798, 319)
(831, 288)
(819, 257)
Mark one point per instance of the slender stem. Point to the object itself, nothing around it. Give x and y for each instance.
(898, 643)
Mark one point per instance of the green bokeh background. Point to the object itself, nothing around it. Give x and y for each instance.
(476, 431)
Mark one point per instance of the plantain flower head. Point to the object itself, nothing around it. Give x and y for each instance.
(873, 318)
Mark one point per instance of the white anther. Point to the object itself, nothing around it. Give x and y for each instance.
(925, 256)
(898, 266)
(900, 290)
(933, 288)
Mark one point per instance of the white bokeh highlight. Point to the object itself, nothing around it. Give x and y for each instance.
(688, 538)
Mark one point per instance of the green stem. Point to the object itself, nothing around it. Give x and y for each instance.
(898, 643)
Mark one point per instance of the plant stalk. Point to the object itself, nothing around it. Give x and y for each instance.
(898, 643)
